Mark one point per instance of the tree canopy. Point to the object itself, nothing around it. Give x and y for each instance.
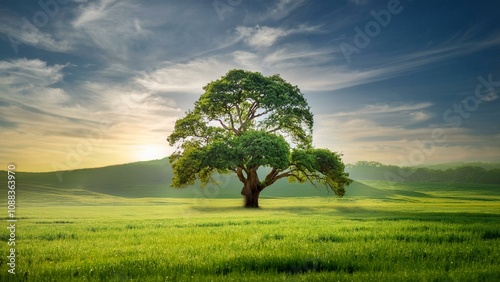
(245, 121)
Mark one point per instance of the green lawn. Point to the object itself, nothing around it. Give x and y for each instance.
(410, 232)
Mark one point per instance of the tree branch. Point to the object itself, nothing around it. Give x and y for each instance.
(271, 175)
(231, 120)
(240, 175)
(274, 130)
(223, 125)
(285, 174)
(259, 115)
(226, 127)
(252, 109)
(238, 111)
(251, 115)
(245, 170)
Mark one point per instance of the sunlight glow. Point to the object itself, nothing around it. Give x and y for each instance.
(150, 152)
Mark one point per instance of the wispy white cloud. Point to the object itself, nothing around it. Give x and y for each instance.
(265, 36)
(22, 72)
(194, 74)
(385, 109)
(113, 27)
(94, 11)
(187, 77)
(459, 46)
(324, 69)
(297, 67)
(420, 116)
(362, 139)
(311, 68)
(281, 10)
(116, 115)
(20, 30)
(28, 89)
(299, 54)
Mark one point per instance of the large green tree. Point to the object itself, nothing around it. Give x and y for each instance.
(245, 121)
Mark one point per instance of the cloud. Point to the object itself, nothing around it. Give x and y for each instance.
(20, 30)
(385, 109)
(281, 10)
(265, 36)
(191, 76)
(299, 55)
(296, 67)
(420, 116)
(115, 115)
(113, 27)
(23, 72)
(367, 139)
(452, 48)
(93, 11)
(324, 69)
(187, 77)
(28, 89)
(312, 69)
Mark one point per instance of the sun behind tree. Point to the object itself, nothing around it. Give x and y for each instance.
(245, 121)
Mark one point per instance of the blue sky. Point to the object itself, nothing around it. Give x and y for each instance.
(93, 83)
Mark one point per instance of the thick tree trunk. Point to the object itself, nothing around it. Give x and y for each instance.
(252, 200)
(251, 190)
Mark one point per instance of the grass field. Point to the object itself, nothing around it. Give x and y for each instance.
(409, 232)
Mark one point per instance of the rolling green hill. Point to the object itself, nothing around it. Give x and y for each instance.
(485, 173)
(151, 179)
(146, 179)
(446, 166)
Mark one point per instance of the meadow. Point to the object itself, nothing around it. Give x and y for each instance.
(382, 231)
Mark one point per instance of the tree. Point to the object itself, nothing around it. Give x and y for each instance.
(245, 121)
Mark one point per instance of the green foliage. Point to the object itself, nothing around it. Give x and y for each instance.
(320, 165)
(251, 149)
(258, 148)
(241, 101)
(242, 122)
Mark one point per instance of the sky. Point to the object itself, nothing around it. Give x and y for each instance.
(95, 83)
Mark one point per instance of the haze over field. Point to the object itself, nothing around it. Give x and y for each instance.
(94, 83)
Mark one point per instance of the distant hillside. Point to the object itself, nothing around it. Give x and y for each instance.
(125, 180)
(445, 166)
(153, 178)
(149, 179)
(485, 173)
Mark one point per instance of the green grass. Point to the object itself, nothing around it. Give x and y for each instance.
(382, 232)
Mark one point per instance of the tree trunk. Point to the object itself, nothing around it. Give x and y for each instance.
(251, 190)
(252, 200)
